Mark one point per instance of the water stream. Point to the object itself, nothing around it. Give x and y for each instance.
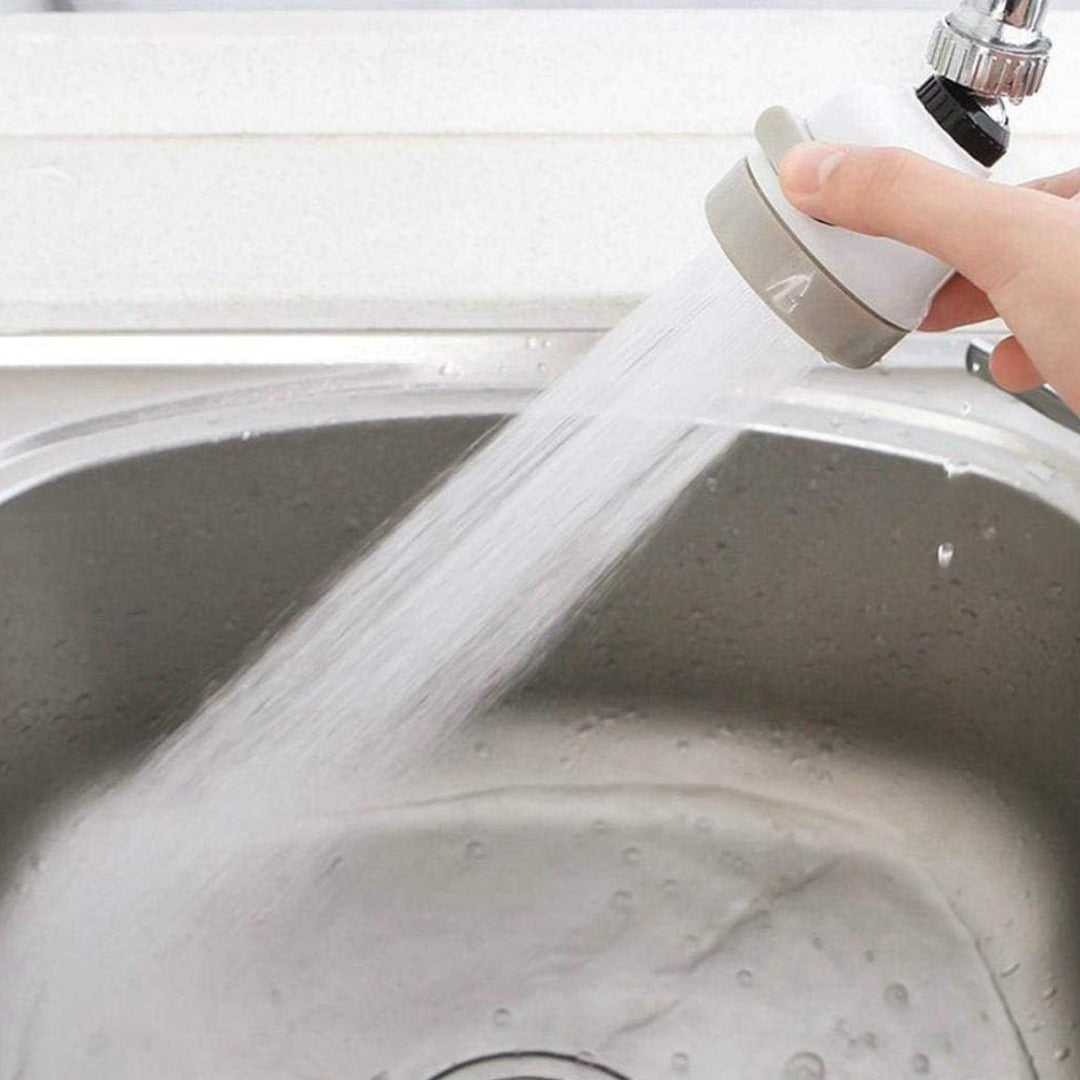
(428, 627)
(463, 593)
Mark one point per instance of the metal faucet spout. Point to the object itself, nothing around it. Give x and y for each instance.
(995, 48)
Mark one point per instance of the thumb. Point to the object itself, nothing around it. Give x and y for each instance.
(989, 232)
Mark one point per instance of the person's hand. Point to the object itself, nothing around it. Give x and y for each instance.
(1016, 250)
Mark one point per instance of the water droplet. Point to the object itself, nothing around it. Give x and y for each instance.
(246, 434)
(1063, 1054)
(956, 468)
(920, 1064)
(804, 1066)
(381, 1076)
(474, 849)
(896, 994)
(670, 886)
(680, 1062)
(1012, 969)
(965, 408)
(449, 368)
(533, 343)
(1041, 471)
(622, 899)
(600, 825)
(744, 977)
(482, 750)
(632, 855)
(712, 484)
(945, 552)
(1050, 993)
(1054, 590)
(990, 532)
(501, 1017)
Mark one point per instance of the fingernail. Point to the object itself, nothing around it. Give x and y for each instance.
(805, 168)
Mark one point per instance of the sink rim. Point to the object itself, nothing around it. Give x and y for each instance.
(920, 404)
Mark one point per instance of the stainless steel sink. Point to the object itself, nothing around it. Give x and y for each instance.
(797, 797)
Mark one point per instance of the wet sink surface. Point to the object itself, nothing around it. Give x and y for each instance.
(796, 797)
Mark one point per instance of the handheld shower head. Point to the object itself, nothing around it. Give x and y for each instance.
(854, 297)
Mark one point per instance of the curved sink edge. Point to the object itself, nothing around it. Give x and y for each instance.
(911, 415)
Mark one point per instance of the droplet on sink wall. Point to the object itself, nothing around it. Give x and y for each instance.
(920, 1065)
(474, 849)
(945, 553)
(501, 1017)
(680, 1062)
(804, 1066)
(896, 995)
(745, 978)
(632, 855)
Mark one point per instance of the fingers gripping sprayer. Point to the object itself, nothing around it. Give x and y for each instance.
(854, 297)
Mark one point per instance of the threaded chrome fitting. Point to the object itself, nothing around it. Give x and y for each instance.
(996, 48)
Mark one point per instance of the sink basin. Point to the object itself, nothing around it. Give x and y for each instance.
(796, 797)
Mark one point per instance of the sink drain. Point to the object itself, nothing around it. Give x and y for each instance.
(528, 1066)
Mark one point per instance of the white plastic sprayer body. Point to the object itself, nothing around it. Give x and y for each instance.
(852, 297)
